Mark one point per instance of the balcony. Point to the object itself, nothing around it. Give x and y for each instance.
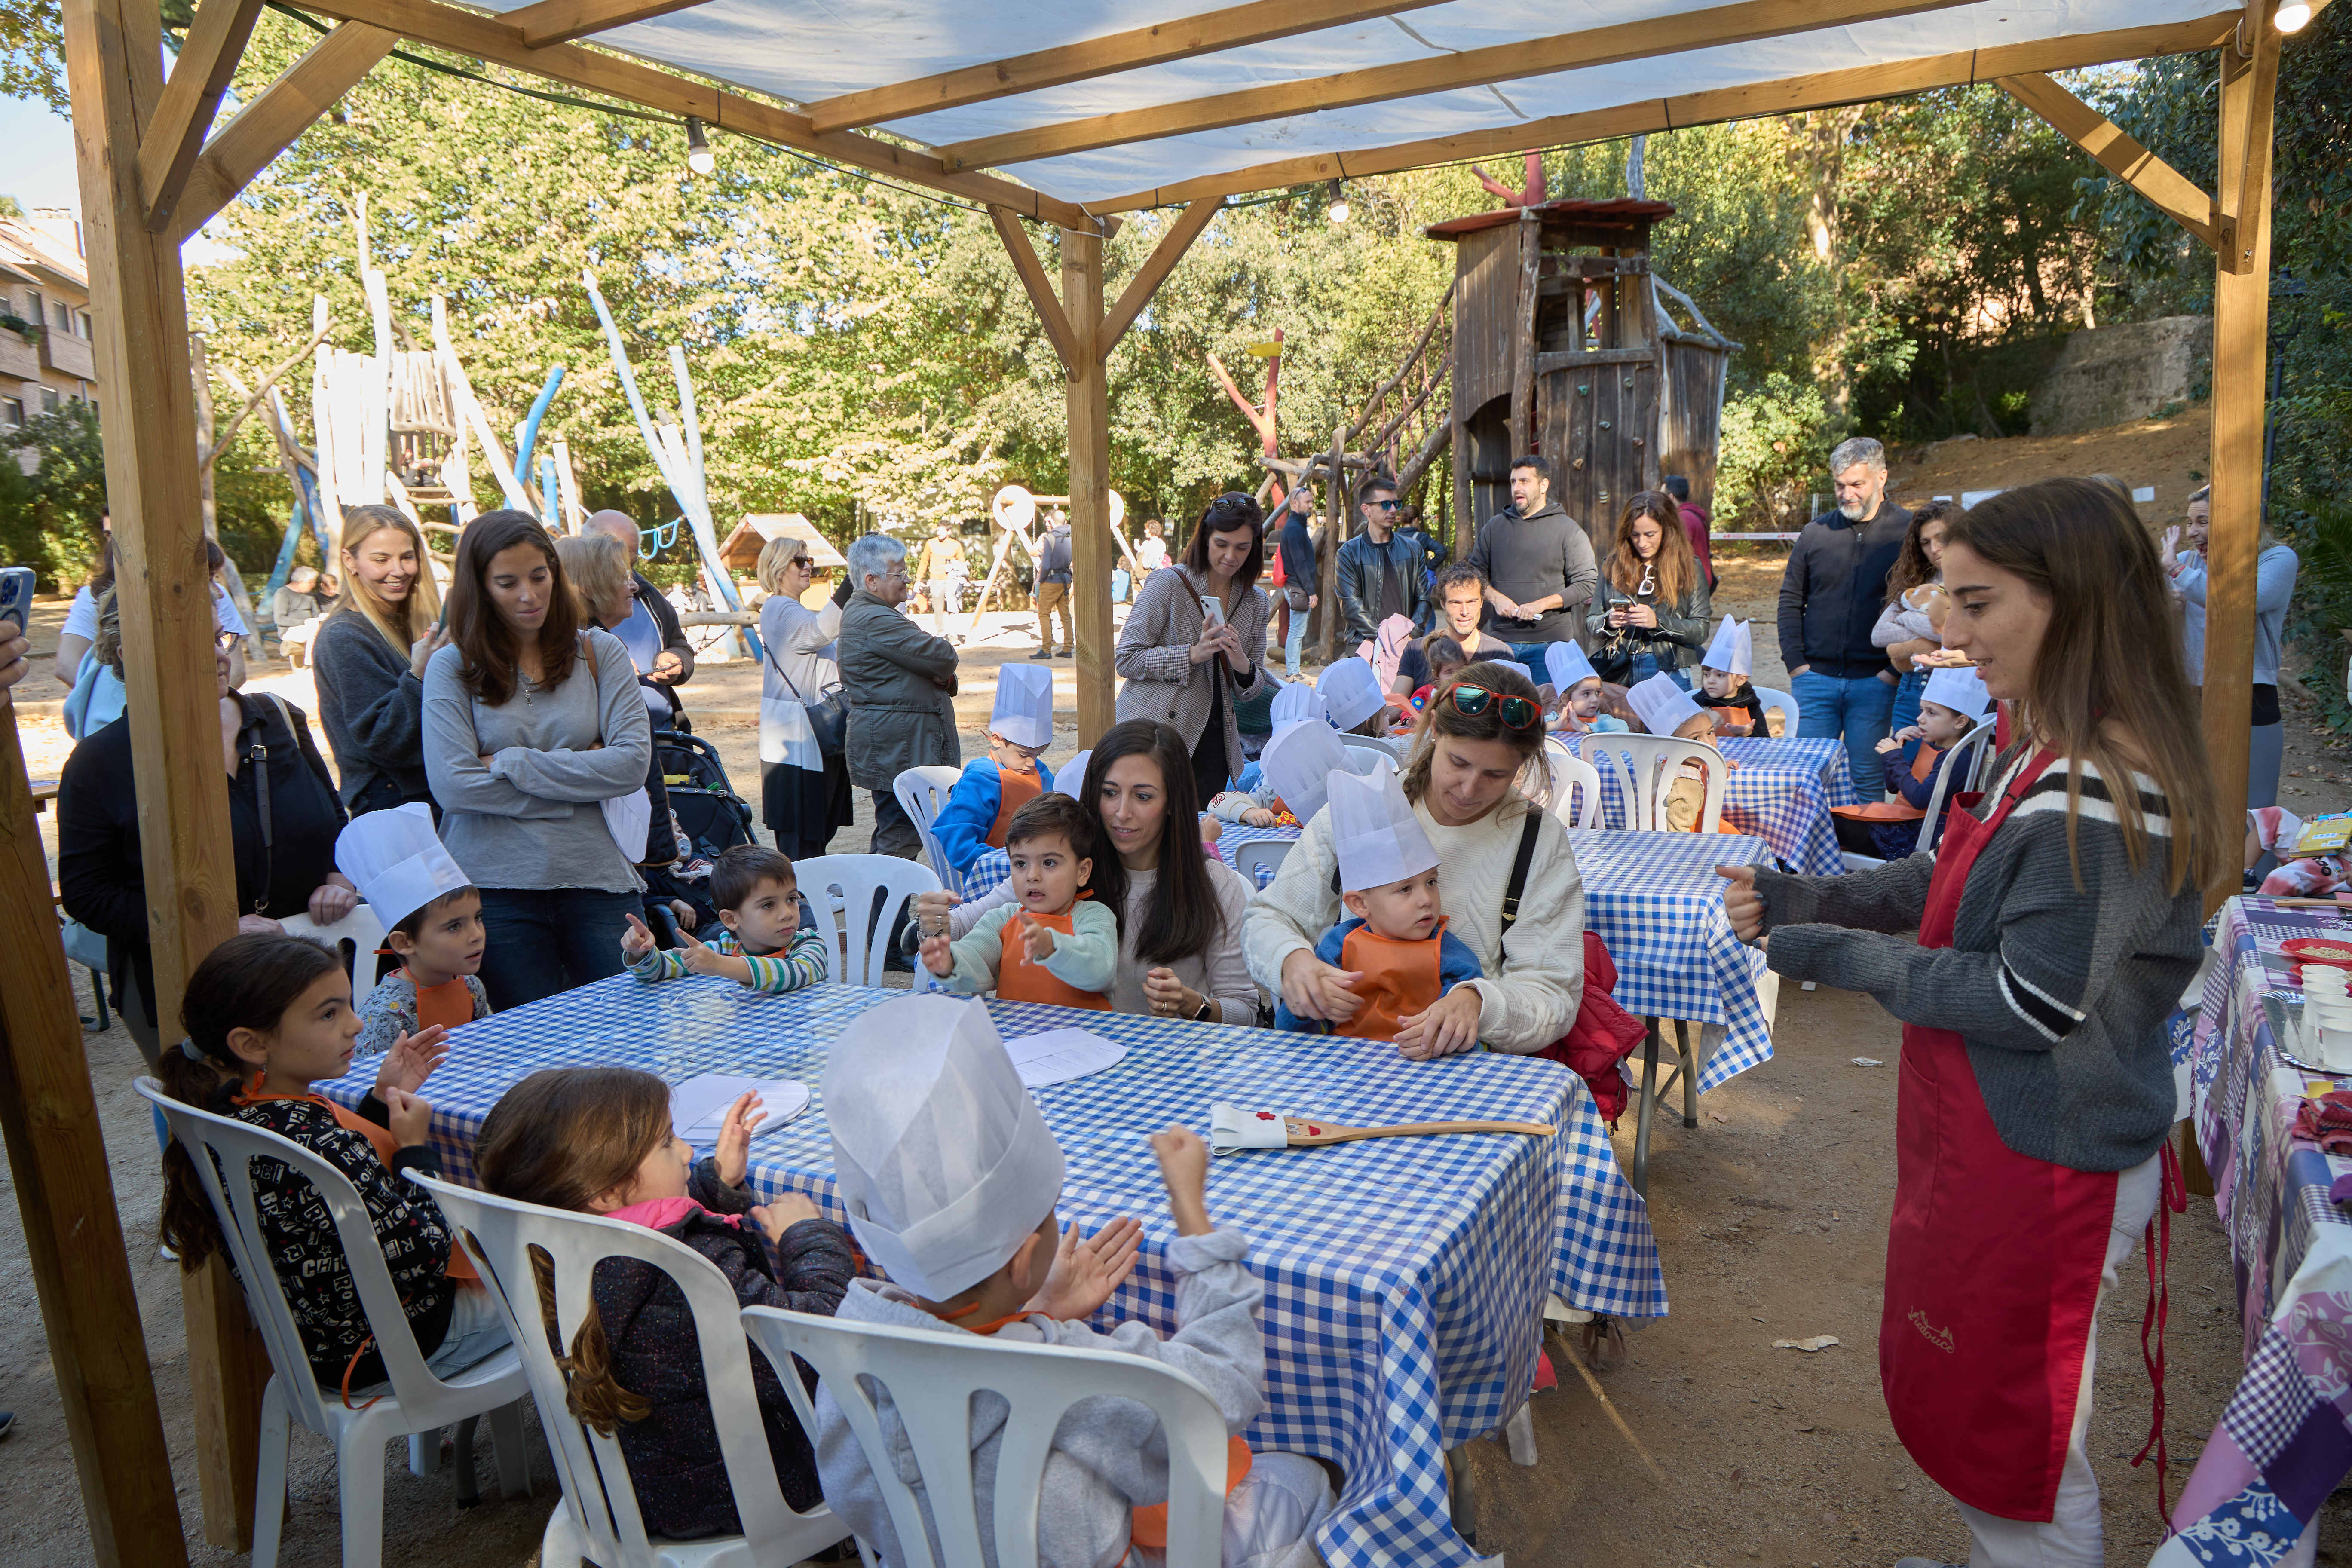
(19, 360)
(68, 356)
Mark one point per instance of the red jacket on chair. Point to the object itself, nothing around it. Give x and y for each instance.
(1603, 1035)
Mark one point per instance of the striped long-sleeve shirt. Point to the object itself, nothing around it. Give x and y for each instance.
(800, 963)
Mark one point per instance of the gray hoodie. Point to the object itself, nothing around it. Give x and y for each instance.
(1109, 1454)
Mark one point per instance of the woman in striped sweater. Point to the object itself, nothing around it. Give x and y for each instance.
(2056, 929)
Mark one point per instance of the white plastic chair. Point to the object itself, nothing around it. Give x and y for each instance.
(1658, 760)
(1569, 774)
(931, 1377)
(1973, 751)
(1607, 757)
(849, 883)
(358, 936)
(600, 1521)
(419, 1401)
(1373, 745)
(922, 794)
(1249, 857)
(1785, 704)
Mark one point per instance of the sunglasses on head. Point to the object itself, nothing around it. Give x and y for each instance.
(1516, 713)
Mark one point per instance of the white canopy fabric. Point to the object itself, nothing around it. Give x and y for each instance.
(806, 52)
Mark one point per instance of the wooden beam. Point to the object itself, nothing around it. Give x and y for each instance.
(496, 40)
(147, 406)
(169, 145)
(1744, 21)
(1091, 557)
(1059, 329)
(2173, 193)
(2242, 306)
(1790, 95)
(1230, 28)
(560, 21)
(268, 126)
(1154, 271)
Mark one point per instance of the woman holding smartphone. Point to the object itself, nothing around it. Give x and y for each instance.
(1193, 644)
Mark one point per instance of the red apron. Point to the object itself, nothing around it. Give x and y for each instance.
(1013, 791)
(1400, 979)
(1993, 1257)
(1018, 979)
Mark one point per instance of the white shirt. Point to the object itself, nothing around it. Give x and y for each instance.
(81, 615)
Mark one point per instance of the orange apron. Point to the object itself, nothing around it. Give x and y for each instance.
(1018, 979)
(1400, 979)
(1922, 767)
(1013, 791)
(447, 1005)
(380, 1139)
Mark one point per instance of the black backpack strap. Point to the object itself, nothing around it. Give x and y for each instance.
(1520, 865)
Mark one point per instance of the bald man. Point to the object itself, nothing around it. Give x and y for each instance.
(651, 634)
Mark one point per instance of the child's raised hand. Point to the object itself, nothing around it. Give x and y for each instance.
(1184, 1172)
(637, 941)
(1038, 938)
(410, 1061)
(937, 958)
(1087, 1270)
(411, 1118)
(733, 1154)
(786, 1212)
(1887, 743)
(700, 959)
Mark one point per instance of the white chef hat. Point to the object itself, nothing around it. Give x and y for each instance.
(1374, 833)
(940, 1153)
(1023, 713)
(1961, 691)
(1296, 701)
(1514, 664)
(398, 861)
(1661, 705)
(1350, 692)
(1569, 669)
(1070, 778)
(1298, 763)
(1734, 648)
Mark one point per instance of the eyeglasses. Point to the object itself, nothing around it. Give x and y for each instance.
(226, 641)
(1516, 713)
(1384, 505)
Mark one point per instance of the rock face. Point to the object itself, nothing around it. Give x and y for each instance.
(2113, 375)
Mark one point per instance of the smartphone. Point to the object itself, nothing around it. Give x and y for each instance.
(15, 598)
(1213, 609)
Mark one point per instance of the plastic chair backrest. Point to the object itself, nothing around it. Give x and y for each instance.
(1609, 758)
(362, 928)
(236, 1145)
(849, 883)
(1570, 773)
(1658, 760)
(932, 1377)
(922, 794)
(1373, 745)
(1790, 713)
(1249, 857)
(500, 1235)
(1973, 751)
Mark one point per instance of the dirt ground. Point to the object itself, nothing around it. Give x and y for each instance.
(1770, 1219)
(2169, 455)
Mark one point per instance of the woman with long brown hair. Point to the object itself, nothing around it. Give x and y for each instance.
(1479, 736)
(530, 725)
(1651, 612)
(2055, 932)
(1905, 629)
(368, 660)
(1189, 669)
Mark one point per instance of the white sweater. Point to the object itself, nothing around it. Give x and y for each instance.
(1526, 1003)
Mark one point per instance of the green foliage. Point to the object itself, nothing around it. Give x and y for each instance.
(1773, 447)
(32, 52)
(48, 520)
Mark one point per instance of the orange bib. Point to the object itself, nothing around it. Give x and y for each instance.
(449, 1005)
(1018, 979)
(1399, 978)
(1013, 791)
(1923, 765)
(380, 1139)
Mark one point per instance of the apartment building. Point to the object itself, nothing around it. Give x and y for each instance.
(45, 330)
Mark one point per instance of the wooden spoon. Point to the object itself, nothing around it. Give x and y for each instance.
(1308, 1133)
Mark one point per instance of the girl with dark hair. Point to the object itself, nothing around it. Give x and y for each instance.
(2054, 934)
(1651, 611)
(1481, 733)
(1180, 910)
(266, 1017)
(1906, 629)
(1186, 665)
(598, 1141)
(531, 725)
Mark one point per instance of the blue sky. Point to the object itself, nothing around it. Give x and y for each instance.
(38, 170)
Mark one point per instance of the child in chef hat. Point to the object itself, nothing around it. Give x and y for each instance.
(1665, 708)
(431, 919)
(1352, 696)
(1724, 685)
(991, 788)
(1580, 692)
(1292, 772)
(950, 1178)
(1954, 702)
(1394, 937)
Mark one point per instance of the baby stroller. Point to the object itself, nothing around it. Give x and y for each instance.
(711, 818)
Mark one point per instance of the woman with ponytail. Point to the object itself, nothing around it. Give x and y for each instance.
(268, 1016)
(598, 1141)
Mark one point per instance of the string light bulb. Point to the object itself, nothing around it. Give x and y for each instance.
(2292, 17)
(699, 156)
(1340, 210)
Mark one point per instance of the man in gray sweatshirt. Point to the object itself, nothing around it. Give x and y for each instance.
(1538, 567)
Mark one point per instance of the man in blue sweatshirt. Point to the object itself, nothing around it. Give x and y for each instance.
(1831, 596)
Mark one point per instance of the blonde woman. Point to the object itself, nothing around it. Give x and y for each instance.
(368, 661)
(804, 795)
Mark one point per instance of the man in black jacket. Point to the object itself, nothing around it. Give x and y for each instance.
(656, 641)
(1830, 596)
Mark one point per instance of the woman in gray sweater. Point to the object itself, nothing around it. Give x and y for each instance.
(530, 725)
(368, 661)
(2055, 930)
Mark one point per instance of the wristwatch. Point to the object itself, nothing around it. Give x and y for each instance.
(1208, 1005)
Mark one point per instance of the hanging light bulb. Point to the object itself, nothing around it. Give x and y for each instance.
(1340, 210)
(2292, 17)
(699, 156)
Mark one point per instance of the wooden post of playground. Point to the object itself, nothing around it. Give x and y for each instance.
(1088, 407)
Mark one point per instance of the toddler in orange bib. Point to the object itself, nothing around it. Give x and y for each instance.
(1054, 943)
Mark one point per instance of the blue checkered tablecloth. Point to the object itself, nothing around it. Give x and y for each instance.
(989, 872)
(1404, 1278)
(1781, 791)
(1655, 901)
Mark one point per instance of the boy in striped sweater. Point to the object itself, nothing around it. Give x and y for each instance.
(764, 946)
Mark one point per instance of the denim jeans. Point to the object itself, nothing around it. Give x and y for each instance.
(1858, 707)
(546, 940)
(1531, 654)
(1291, 649)
(1908, 693)
(1646, 665)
